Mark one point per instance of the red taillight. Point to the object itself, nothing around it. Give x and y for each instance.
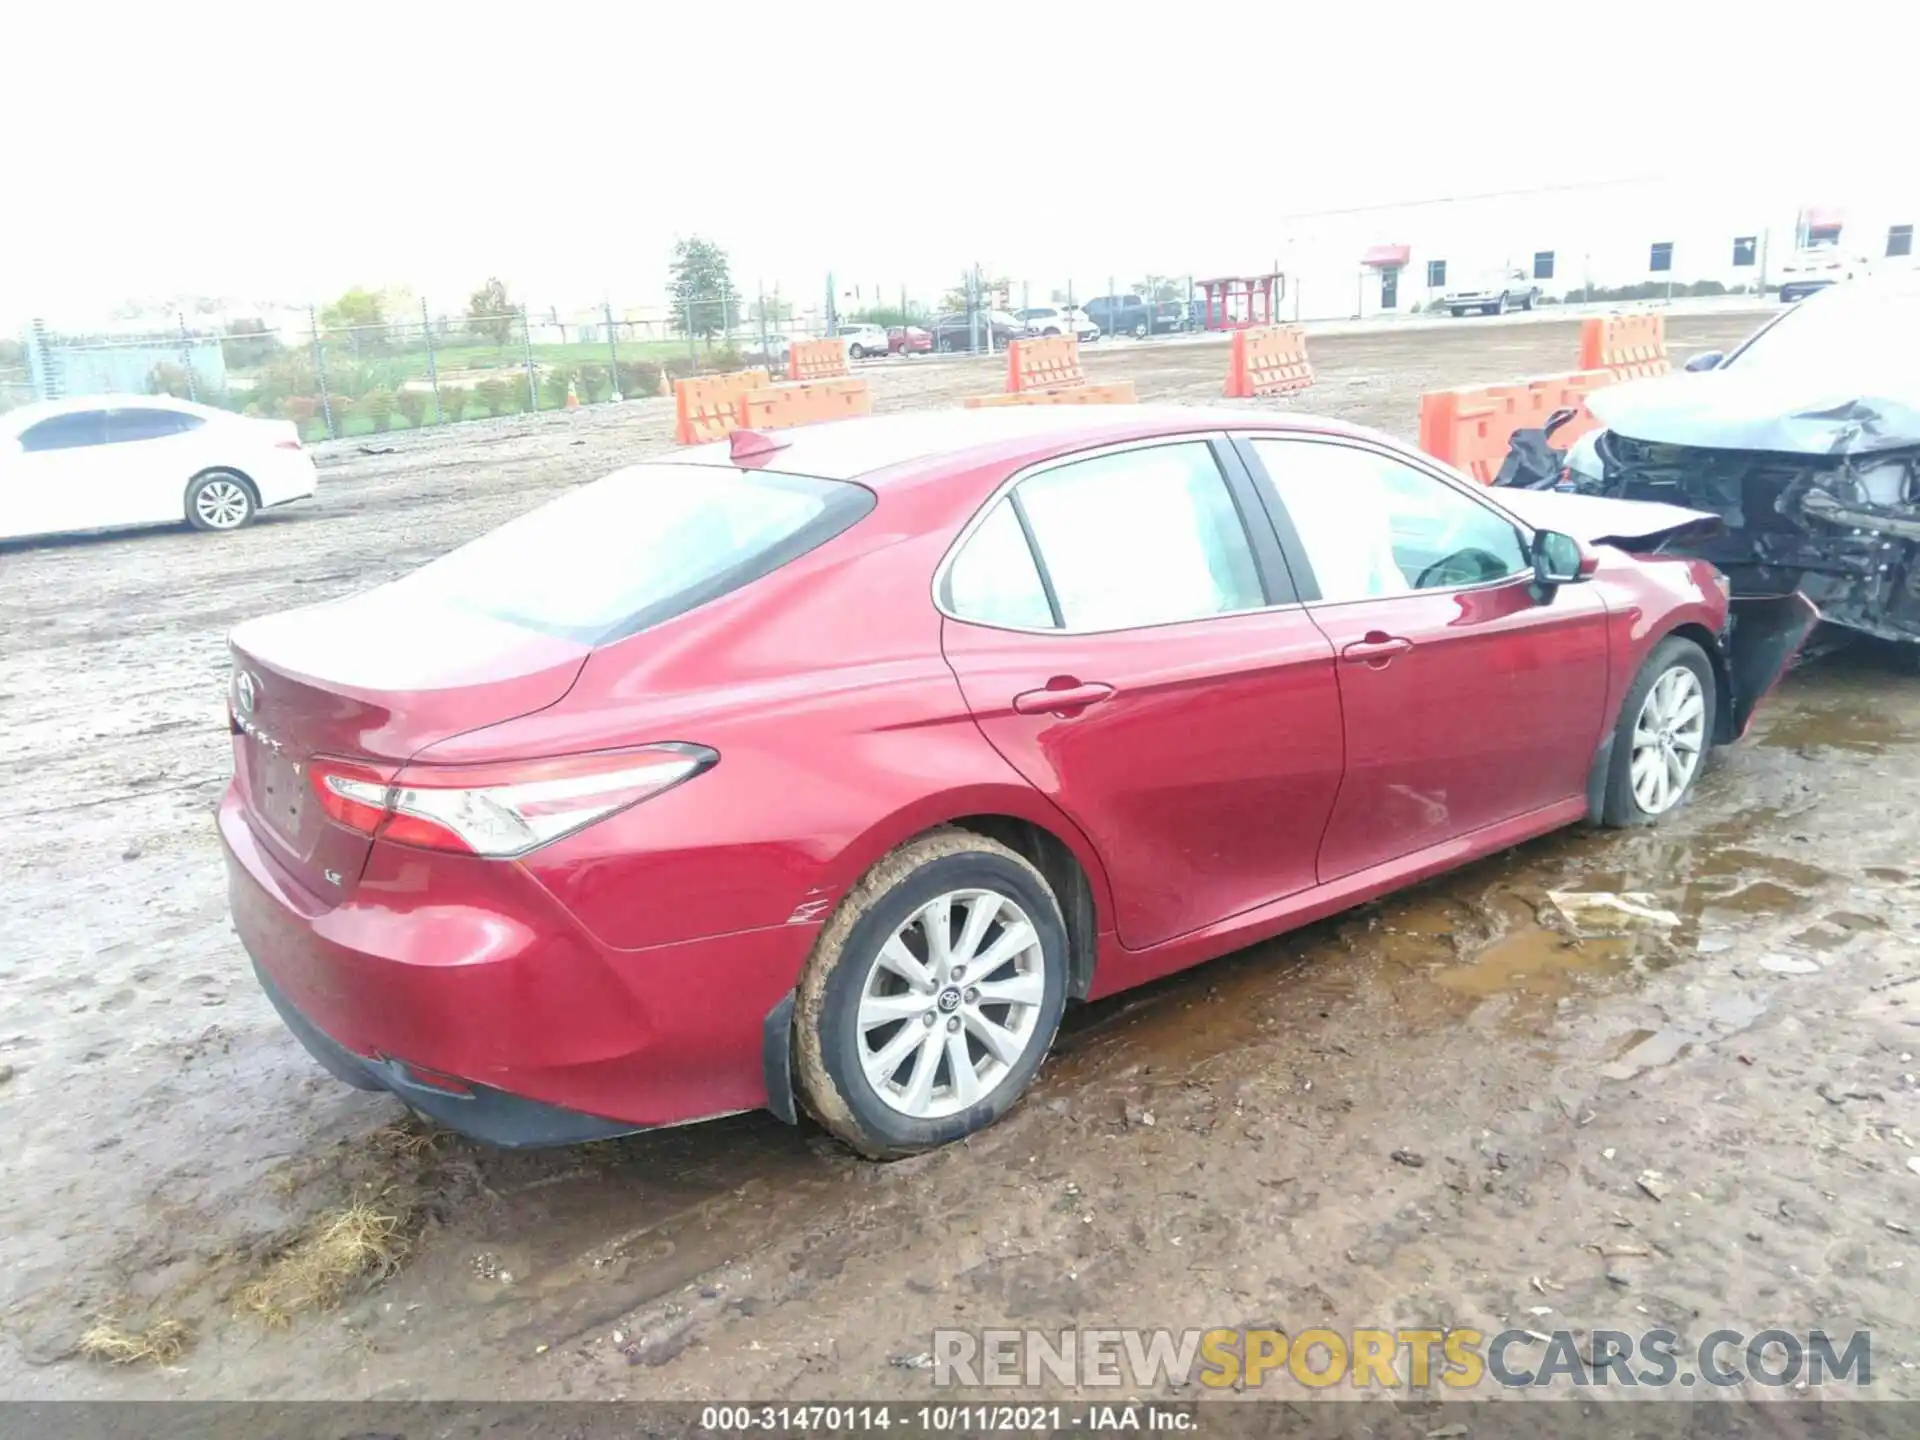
(293, 444)
(351, 795)
(505, 809)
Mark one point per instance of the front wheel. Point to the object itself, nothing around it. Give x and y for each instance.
(219, 500)
(931, 996)
(1660, 740)
(1533, 298)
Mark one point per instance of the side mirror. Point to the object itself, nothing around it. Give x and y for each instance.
(1560, 560)
(1706, 360)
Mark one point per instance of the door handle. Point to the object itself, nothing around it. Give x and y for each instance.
(1377, 649)
(1069, 697)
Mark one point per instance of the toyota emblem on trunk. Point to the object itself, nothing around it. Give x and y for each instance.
(243, 692)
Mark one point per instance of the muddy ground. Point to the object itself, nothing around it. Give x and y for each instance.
(1217, 1150)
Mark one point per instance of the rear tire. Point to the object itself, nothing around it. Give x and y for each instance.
(856, 352)
(220, 500)
(1661, 739)
(895, 1056)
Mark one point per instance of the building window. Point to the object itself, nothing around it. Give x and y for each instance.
(1661, 257)
(1436, 274)
(1744, 249)
(1900, 240)
(1543, 264)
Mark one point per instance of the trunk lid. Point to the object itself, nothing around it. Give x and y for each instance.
(372, 679)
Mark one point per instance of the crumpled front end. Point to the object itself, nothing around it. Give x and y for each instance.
(1843, 529)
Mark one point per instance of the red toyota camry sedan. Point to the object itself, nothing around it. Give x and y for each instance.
(821, 770)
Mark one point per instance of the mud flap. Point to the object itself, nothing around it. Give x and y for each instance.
(1767, 633)
(776, 1059)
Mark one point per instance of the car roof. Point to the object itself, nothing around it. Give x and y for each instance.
(884, 450)
(32, 414)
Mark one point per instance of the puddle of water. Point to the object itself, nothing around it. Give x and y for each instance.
(1537, 967)
(1863, 730)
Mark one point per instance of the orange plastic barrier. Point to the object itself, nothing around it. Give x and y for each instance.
(707, 407)
(1118, 393)
(779, 406)
(1470, 428)
(1629, 345)
(1049, 363)
(817, 360)
(1268, 360)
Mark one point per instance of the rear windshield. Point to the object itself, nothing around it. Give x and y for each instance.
(641, 546)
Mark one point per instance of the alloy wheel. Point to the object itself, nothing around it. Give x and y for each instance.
(951, 1003)
(1668, 737)
(222, 504)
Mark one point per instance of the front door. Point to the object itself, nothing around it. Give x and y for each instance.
(1134, 650)
(54, 482)
(1390, 288)
(1467, 699)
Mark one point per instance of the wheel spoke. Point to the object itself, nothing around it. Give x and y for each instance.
(1001, 1042)
(936, 922)
(897, 958)
(1025, 988)
(1687, 742)
(881, 1009)
(882, 1063)
(966, 1080)
(926, 1064)
(1691, 712)
(982, 911)
(1676, 773)
(1012, 941)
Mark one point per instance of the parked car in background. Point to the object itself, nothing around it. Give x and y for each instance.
(1125, 315)
(1493, 292)
(1815, 268)
(909, 340)
(769, 349)
(864, 340)
(1806, 439)
(1058, 320)
(956, 330)
(822, 769)
(105, 462)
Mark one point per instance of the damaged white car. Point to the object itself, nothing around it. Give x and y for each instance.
(1805, 440)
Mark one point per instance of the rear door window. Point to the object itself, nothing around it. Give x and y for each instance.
(641, 546)
(1144, 536)
(145, 423)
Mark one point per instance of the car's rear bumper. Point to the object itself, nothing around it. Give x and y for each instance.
(468, 991)
(478, 1111)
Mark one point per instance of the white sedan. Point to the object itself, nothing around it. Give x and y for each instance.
(104, 462)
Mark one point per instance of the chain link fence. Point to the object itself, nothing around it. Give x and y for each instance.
(340, 377)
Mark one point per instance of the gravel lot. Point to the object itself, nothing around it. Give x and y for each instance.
(1217, 1150)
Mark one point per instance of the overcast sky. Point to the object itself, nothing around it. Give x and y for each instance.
(281, 151)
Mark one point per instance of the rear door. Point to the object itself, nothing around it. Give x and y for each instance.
(147, 456)
(1135, 650)
(1467, 700)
